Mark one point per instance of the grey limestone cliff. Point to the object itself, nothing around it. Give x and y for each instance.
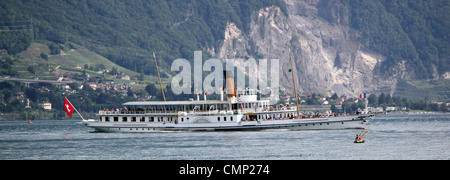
(326, 59)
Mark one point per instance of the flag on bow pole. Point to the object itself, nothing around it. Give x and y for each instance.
(69, 108)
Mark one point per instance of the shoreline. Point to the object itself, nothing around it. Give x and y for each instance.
(415, 112)
(4, 118)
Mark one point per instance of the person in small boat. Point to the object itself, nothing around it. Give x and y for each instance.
(358, 138)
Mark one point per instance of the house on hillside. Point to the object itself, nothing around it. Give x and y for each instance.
(123, 77)
(46, 105)
(93, 85)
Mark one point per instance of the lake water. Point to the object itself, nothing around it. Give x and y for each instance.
(413, 136)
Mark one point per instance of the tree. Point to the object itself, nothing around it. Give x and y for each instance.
(334, 96)
(31, 69)
(382, 99)
(141, 77)
(388, 99)
(114, 71)
(347, 108)
(32, 94)
(397, 101)
(44, 56)
(334, 109)
(151, 89)
(443, 107)
(373, 100)
(54, 49)
(434, 107)
(354, 107)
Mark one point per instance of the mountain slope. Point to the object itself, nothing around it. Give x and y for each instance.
(127, 32)
(333, 50)
(54, 66)
(339, 46)
(414, 30)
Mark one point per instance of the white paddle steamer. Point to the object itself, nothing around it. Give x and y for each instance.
(243, 112)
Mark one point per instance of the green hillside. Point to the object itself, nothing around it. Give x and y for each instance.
(433, 90)
(71, 60)
(413, 30)
(126, 32)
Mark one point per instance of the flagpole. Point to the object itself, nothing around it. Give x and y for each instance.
(74, 108)
(293, 80)
(159, 77)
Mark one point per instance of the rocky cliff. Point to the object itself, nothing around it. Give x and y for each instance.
(326, 58)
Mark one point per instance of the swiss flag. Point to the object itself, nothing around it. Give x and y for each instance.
(68, 107)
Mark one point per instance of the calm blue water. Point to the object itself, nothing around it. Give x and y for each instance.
(424, 136)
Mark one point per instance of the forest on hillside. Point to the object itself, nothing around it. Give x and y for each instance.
(126, 32)
(413, 30)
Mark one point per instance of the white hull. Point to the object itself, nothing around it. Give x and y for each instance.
(349, 122)
(241, 113)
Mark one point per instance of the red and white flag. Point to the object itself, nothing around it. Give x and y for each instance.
(68, 107)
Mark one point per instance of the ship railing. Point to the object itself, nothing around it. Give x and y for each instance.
(210, 111)
(106, 112)
(268, 109)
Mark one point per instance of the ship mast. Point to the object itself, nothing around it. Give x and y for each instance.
(159, 77)
(293, 80)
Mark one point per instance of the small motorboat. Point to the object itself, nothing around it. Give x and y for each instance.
(359, 137)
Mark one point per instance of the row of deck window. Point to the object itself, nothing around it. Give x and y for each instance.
(279, 116)
(136, 119)
(153, 119)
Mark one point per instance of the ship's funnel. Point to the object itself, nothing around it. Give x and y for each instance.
(229, 81)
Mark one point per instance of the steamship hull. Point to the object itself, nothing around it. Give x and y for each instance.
(348, 122)
(241, 111)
